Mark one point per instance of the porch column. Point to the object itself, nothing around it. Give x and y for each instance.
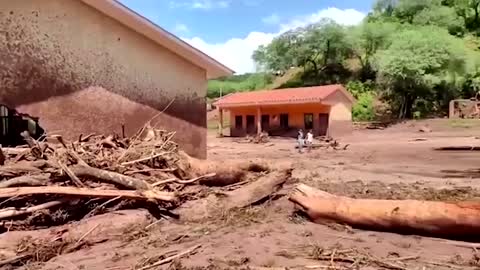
(220, 122)
(259, 120)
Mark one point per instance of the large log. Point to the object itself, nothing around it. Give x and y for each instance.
(242, 197)
(86, 192)
(447, 219)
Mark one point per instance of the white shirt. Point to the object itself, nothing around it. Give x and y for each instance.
(309, 137)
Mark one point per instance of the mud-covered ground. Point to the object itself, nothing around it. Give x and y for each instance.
(396, 163)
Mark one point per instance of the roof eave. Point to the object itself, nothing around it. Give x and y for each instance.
(142, 25)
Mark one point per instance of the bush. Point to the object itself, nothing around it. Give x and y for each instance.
(364, 109)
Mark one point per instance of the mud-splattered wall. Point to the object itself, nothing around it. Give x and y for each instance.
(80, 71)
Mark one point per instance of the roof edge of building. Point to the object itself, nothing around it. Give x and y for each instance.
(152, 31)
(338, 87)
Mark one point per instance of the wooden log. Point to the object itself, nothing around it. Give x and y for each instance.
(26, 180)
(86, 192)
(110, 177)
(256, 191)
(403, 216)
(245, 196)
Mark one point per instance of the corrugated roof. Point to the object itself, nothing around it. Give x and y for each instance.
(282, 96)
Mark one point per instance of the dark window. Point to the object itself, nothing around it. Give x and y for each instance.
(308, 120)
(284, 120)
(238, 121)
(265, 121)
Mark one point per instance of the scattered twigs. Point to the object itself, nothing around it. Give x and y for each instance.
(150, 170)
(86, 138)
(171, 258)
(14, 259)
(183, 182)
(71, 174)
(34, 146)
(102, 205)
(9, 213)
(144, 159)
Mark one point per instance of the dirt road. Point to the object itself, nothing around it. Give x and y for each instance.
(396, 163)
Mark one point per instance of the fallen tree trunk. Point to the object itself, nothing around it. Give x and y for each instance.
(245, 196)
(110, 177)
(86, 192)
(226, 173)
(403, 216)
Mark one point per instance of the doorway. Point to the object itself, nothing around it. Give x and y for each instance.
(251, 124)
(323, 124)
(265, 122)
(308, 121)
(284, 120)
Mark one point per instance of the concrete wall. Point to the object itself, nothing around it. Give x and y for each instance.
(295, 116)
(340, 121)
(56, 56)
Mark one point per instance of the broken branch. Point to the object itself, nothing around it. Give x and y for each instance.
(86, 192)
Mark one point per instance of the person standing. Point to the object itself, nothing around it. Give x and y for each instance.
(300, 140)
(309, 140)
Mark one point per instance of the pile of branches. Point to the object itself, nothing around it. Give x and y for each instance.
(53, 181)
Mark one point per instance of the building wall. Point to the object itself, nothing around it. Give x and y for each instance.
(58, 55)
(296, 116)
(340, 121)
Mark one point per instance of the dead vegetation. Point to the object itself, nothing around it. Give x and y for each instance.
(54, 182)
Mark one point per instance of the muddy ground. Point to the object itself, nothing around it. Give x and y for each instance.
(395, 163)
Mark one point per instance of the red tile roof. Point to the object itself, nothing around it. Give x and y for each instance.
(282, 96)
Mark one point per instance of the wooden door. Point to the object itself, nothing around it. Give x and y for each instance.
(323, 124)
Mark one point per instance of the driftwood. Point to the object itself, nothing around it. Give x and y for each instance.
(110, 177)
(242, 197)
(256, 191)
(9, 213)
(34, 146)
(87, 192)
(423, 217)
(26, 180)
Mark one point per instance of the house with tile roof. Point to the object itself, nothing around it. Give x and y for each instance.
(95, 66)
(327, 110)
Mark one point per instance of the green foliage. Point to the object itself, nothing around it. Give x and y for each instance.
(236, 83)
(364, 109)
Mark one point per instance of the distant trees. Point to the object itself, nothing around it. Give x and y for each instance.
(414, 54)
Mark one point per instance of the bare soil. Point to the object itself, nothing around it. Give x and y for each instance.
(398, 162)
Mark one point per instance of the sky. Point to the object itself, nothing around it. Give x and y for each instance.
(231, 30)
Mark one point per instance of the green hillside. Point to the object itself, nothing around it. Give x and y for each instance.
(410, 56)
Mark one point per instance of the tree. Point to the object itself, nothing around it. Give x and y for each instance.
(314, 48)
(366, 39)
(442, 16)
(417, 60)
